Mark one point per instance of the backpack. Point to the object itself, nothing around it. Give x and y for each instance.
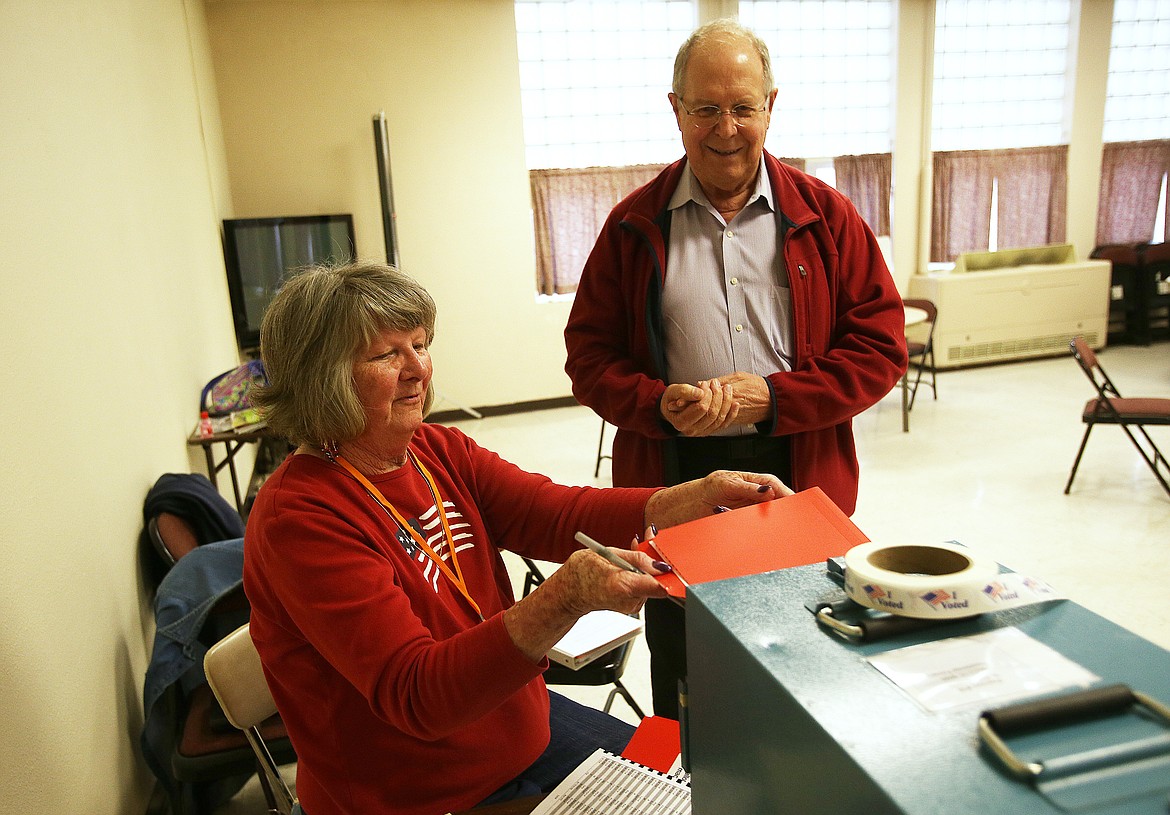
(231, 391)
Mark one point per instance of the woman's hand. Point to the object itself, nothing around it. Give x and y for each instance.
(588, 582)
(699, 498)
(585, 582)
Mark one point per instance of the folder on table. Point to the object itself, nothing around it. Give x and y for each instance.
(797, 530)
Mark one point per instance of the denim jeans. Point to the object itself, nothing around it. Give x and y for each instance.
(576, 731)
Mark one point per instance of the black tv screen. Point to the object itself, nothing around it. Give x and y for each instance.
(260, 253)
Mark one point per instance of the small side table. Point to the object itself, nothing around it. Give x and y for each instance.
(232, 441)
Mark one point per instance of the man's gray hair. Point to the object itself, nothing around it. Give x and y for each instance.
(726, 30)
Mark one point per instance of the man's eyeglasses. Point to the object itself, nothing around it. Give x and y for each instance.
(710, 115)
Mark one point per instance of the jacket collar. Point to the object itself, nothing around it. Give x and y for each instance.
(648, 208)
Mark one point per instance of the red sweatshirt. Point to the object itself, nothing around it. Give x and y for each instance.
(397, 698)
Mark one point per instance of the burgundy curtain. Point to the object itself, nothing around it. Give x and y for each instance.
(1032, 184)
(1032, 181)
(1131, 181)
(865, 180)
(961, 204)
(569, 207)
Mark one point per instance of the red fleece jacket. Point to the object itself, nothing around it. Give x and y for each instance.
(848, 326)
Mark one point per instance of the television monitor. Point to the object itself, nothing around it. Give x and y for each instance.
(260, 253)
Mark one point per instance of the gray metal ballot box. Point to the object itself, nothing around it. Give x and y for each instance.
(784, 716)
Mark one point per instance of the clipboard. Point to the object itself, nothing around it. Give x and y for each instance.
(797, 530)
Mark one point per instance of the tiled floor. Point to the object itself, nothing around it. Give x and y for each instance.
(985, 464)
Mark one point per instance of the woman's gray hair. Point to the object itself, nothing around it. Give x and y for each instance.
(311, 335)
(725, 29)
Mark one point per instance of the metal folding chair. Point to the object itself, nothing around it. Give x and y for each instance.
(1133, 414)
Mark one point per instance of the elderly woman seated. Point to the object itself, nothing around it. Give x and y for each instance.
(407, 674)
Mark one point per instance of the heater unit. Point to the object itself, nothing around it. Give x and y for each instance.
(1016, 304)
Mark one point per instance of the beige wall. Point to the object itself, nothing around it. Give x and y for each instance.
(297, 106)
(113, 312)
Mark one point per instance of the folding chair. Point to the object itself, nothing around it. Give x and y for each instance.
(1108, 407)
(920, 347)
(200, 760)
(600, 456)
(233, 671)
(236, 678)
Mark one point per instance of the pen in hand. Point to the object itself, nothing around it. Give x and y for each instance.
(604, 551)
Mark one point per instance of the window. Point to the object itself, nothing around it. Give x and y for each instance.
(594, 78)
(999, 125)
(834, 65)
(1133, 205)
(594, 75)
(1137, 102)
(1000, 74)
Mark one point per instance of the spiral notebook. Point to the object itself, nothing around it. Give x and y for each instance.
(605, 783)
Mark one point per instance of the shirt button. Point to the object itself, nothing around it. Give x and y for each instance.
(739, 328)
(735, 281)
(730, 234)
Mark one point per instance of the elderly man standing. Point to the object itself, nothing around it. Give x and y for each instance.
(735, 313)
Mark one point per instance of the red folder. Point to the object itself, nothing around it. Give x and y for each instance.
(655, 744)
(798, 530)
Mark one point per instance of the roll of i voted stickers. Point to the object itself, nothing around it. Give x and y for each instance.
(935, 581)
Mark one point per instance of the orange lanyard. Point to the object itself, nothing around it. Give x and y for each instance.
(456, 576)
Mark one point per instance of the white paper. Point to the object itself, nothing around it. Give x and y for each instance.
(605, 784)
(980, 670)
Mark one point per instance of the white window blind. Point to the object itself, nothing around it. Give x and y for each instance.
(834, 66)
(1137, 102)
(1001, 74)
(594, 75)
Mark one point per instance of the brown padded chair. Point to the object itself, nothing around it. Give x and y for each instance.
(207, 752)
(1108, 407)
(171, 535)
(207, 757)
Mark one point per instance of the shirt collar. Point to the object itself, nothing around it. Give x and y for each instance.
(688, 189)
